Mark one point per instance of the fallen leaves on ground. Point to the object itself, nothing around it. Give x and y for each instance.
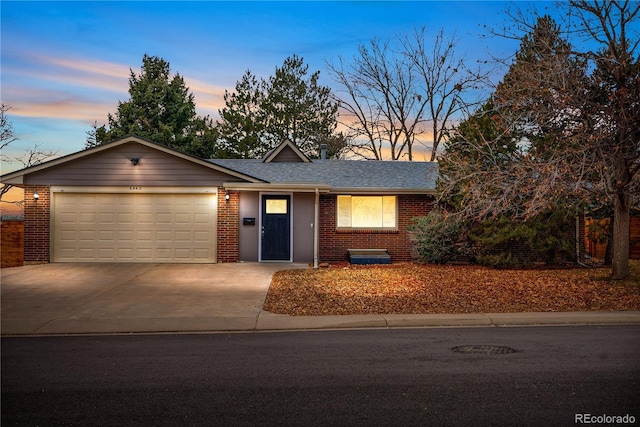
(409, 288)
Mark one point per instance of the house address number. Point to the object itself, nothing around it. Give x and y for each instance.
(134, 188)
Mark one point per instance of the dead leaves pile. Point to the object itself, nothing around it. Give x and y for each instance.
(420, 289)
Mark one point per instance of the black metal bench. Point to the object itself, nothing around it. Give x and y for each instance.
(369, 256)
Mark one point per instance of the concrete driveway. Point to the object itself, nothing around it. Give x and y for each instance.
(113, 298)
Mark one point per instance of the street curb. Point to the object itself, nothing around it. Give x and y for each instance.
(565, 318)
(265, 322)
(273, 322)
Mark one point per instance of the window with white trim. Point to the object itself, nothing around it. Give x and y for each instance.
(367, 212)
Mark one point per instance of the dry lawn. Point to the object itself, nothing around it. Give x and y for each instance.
(409, 288)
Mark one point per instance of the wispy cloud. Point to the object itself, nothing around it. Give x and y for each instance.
(67, 72)
(74, 88)
(55, 104)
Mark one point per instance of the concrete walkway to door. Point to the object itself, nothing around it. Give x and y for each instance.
(121, 298)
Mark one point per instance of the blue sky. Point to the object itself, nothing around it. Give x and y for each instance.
(66, 64)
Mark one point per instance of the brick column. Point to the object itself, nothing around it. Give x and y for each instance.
(37, 215)
(228, 226)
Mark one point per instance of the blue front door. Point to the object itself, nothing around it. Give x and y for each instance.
(276, 228)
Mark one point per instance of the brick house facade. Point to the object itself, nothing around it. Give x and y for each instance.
(133, 200)
(336, 242)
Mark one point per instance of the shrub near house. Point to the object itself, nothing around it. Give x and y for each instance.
(441, 237)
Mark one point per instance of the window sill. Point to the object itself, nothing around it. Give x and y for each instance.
(367, 230)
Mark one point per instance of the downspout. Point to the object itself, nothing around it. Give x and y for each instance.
(316, 218)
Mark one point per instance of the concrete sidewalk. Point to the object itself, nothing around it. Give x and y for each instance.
(152, 298)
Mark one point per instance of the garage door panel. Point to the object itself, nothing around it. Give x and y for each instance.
(133, 228)
(106, 218)
(126, 217)
(183, 253)
(144, 218)
(87, 253)
(184, 218)
(84, 217)
(144, 236)
(85, 235)
(201, 253)
(69, 217)
(105, 236)
(163, 218)
(163, 254)
(200, 218)
(201, 236)
(182, 236)
(125, 235)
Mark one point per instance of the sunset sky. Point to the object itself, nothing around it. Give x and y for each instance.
(66, 64)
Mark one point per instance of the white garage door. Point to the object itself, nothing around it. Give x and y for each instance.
(177, 228)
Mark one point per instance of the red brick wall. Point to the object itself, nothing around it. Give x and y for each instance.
(334, 243)
(12, 244)
(228, 226)
(36, 225)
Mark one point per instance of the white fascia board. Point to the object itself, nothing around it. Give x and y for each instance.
(294, 187)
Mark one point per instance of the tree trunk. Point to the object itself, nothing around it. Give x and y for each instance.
(608, 253)
(621, 221)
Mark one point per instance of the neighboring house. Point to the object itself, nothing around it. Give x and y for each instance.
(133, 200)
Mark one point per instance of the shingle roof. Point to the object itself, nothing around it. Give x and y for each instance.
(341, 174)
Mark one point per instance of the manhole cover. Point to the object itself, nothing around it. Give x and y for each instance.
(483, 349)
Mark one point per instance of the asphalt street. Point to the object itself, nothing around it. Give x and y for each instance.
(439, 376)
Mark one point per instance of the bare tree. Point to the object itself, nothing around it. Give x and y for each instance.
(397, 96)
(6, 137)
(445, 78)
(6, 128)
(31, 158)
(380, 97)
(613, 138)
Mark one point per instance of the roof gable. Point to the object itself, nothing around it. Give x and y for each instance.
(286, 152)
(18, 177)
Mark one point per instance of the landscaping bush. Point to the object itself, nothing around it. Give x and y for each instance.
(441, 238)
(504, 243)
(438, 238)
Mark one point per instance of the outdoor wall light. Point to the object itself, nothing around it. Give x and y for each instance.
(227, 196)
(36, 196)
(135, 161)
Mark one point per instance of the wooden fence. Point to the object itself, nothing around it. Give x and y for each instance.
(596, 245)
(11, 243)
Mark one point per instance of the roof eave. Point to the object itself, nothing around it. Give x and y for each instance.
(322, 187)
(280, 186)
(381, 190)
